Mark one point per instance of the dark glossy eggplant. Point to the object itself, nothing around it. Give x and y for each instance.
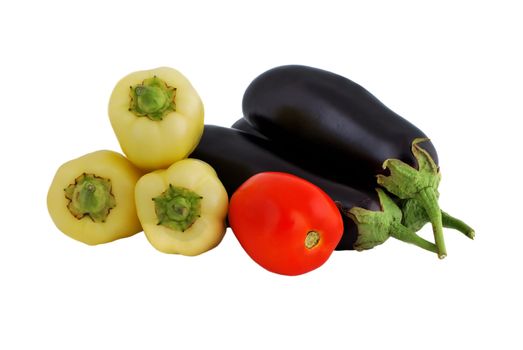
(320, 110)
(344, 127)
(313, 160)
(369, 217)
(243, 125)
(324, 164)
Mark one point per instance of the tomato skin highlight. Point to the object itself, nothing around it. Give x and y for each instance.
(271, 215)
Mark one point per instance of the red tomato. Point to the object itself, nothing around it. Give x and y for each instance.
(285, 223)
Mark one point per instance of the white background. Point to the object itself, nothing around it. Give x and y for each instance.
(452, 68)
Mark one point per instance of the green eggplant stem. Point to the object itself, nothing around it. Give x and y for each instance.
(406, 235)
(456, 224)
(375, 227)
(429, 200)
(415, 217)
(421, 184)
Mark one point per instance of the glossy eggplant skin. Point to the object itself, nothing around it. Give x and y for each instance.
(332, 119)
(312, 160)
(237, 155)
(243, 125)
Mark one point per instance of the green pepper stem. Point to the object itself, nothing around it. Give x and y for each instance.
(429, 201)
(177, 208)
(153, 99)
(406, 235)
(456, 224)
(90, 195)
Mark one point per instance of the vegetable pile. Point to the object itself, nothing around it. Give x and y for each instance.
(316, 164)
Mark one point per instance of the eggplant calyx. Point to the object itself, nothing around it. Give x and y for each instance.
(415, 217)
(375, 227)
(407, 182)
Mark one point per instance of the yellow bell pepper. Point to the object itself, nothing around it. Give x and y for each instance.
(91, 198)
(157, 117)
(182, 209)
